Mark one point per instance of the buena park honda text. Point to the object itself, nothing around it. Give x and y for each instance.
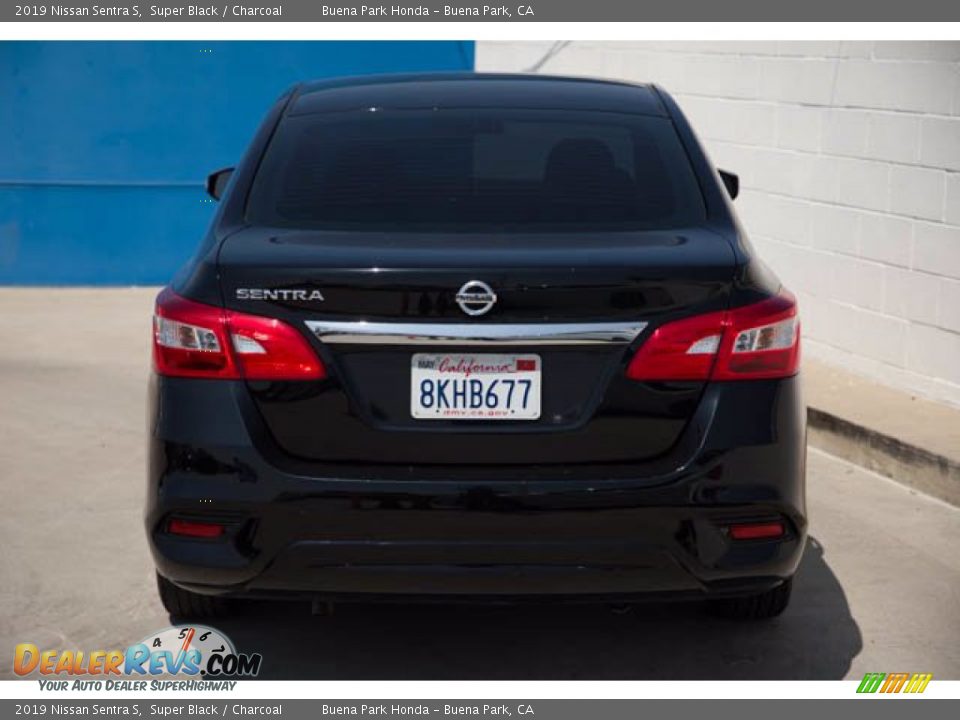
(487, 337)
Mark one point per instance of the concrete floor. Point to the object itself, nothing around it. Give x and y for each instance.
(878, 590)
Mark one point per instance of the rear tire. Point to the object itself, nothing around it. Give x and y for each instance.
(766, 605)
(185, 604)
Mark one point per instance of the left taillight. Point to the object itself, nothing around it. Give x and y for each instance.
(191, 339)
(756, 341)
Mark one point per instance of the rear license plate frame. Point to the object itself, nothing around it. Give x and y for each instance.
(476, 386)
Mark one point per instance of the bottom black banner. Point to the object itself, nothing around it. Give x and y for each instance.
(876, 708)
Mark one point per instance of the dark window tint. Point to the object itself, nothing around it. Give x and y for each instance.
(475, 170)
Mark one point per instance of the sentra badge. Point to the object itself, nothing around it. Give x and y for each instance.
(299, 295)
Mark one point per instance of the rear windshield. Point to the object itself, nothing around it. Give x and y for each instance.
(518, 170)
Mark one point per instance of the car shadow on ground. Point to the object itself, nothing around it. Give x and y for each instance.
(815, 639)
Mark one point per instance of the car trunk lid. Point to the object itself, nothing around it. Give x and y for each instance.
(400, 290)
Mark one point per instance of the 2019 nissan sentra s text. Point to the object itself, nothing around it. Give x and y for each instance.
(476, 336)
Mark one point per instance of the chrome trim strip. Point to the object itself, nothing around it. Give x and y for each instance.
(400, 333)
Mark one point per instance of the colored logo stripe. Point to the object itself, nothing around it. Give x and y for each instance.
(918, 683)
(871, 682)
(894, 682)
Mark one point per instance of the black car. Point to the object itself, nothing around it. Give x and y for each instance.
(479, 337)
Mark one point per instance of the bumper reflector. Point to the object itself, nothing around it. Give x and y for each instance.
(756, 531)
(194, 528)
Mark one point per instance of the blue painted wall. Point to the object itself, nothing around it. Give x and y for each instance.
(104, 146)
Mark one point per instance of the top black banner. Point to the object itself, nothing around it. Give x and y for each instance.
(511, 11)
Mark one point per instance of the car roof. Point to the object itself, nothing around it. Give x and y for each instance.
(474, 90)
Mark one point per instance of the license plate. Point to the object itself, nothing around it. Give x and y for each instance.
(475, 387)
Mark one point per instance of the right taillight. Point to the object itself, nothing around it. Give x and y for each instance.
(192, 339)
(755, 341)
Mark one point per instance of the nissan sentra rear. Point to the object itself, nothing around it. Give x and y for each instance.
(476, 337)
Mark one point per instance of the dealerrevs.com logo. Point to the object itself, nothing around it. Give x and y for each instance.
(184, 651)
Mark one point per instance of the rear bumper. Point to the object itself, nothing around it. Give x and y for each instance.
(660, 532)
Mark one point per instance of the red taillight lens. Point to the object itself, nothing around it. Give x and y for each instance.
(194, 528)
(196, 340)
(681, 350)
(189, 339)
(268, 349)
(756, 531)
(755, 341)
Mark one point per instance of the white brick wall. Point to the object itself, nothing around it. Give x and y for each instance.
(849, 161)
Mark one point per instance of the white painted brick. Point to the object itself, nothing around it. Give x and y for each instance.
(807, 81)
(612, 63)
(738, 121)
(799, 269)
(864, 332)
(799, 127)
(952, 209)
(940, 143)
(577, 60)
(830, 326)
(752, 123)
(769, 250)
(917, 50)
(845, 132)
(751, 206)
(651, 67)
(509, 56)
(850, 181)
(814, 312)
(949, 317)
(782, 259)
(720, 76)
(956, 95)
(860, 83)
(799, 174)
(870, 282)
(911, 295)
(639, 68)
(835, 228)
(917, 192)
(717, 47)
(854, 281)
(856, 49)
(697, 109)
(769, 169)
(780, 218)
(809, 48)
(894, 137)
(933, 352)
(879, 336)
(794, 219)
(750, 47)
(886, 238)
(936, 249)
(731, 157)
(891, 85)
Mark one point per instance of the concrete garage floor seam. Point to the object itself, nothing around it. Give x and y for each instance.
(877, 589)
